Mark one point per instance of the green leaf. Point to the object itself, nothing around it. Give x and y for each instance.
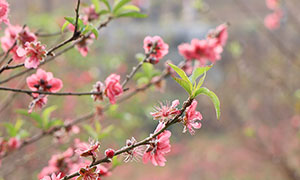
(133, 14)
(35, 116)
(180, 72)
(198, 72)
(53, 123)
(95, 32)
(98, 126)
(115, 162)
(70, 20)
(104, 11)
(73, 21)
(148, 69)
(19, 124)
(106, 4)
(64, 26)
(96, 3)
(186, 85)
(129, 8)
(105, 132)
(214, 98)
(10, 129)
(120, 4)
(47, 112)
(200, 82)
(23, 134)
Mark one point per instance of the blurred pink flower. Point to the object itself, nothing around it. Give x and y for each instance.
(113, 87)
(82, 46)
(161, 48)
(220, 34)
(187, 51)
(90, 14)
(166, 112)
(39, 101)
(98, 87)
(4, 10)
(103, 171)
(34, 52)
(11, 35)
(14, 143)
(53, 177)
(273, 4)
(272, 21)
(191, 116)
(158, 147)
(43, 81)
(87, 149)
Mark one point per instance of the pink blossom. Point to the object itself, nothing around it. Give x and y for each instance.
(187, 51)
(134, 154)
(88, 174)
(4, 10)
(85, 149)
(220, 34)
(166, 112)
(34, 52)
(59, 163)
(53, 177)
(158, 147)
(110, 153)
(191, 116)
(14, 143)
(43, 81)
(272, 21)
(103, 171)
(14, 33)
(82, 46)
(90, 14)
(98, 87)
(273, 4)
(113, 87)
(161, 49)
(39, 101)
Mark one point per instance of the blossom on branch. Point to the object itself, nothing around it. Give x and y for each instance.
(190, 118)
(160, 48)
(34, 52)
(133, 154)
(87, 149)
(272, 21)
(113, 87)
(166, 112)
(98, 87)
(158, 147)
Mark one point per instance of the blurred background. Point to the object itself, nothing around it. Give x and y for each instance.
(257, 81)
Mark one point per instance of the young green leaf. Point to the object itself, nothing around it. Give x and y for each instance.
(115, 162)
(130, 8)
(95, 32)
(198, 72)
(64, 26)
(120, 4)
(200, 82)
(35, 116)
(214, 98)
(96, 3)
(90, 131)
(47, 112)
(106, 4)
(180, 72)
(132, 14)
(10, 129)
(183, 83)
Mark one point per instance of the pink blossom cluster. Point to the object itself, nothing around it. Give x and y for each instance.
(42, 81)
(205, 50)
(70, 162)
(4, 10)
(272, 21)
(23, 45)
(156, 47)
(112, 88)
(8, 145)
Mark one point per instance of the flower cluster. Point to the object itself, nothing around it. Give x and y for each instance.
(42, 81)
(87, 149)
(111, 89)
(4, 10)
(208, 49)
(166, 112)
(272, 21)
(19, 34)
(158, 147)
(70, 162)
(34, 52)
(156, 47)
(10, 145)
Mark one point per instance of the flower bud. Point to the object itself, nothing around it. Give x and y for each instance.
(110, 153)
